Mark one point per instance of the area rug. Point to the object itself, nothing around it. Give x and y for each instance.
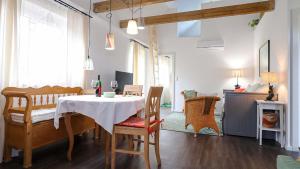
(175, 122)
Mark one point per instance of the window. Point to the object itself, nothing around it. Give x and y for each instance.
(51, 45)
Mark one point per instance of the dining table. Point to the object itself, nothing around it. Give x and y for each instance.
(105, 111)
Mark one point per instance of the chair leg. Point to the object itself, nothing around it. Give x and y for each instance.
(216, 128)
(146, 151)
(157, 152)
(107, 148)
(113, 151)
(7, 153)
(27, 151)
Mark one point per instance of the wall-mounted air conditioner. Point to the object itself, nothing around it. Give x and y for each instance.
(211, 44)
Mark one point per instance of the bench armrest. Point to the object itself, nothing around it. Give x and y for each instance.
(9, 95)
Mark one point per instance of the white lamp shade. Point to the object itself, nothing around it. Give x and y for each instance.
(89, 64)
(237, 73)
(110, 41)
(141, 23)
(132, 28)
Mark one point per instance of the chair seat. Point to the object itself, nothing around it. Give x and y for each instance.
(136, 122)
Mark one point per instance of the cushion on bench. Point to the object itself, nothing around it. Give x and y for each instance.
(36, 115)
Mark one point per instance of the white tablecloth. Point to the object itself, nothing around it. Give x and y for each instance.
(105, 111)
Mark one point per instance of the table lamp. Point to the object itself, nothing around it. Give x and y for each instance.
(270, 78)
(237, 73)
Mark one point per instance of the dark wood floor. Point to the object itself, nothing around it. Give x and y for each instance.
(178, 151)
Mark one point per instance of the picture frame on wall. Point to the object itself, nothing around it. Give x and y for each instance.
(264, 58)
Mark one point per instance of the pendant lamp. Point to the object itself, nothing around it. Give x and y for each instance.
(110, 37)
(132, 28)
(89, 64)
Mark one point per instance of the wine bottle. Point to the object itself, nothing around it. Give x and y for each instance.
(97, 84)
(99, 87)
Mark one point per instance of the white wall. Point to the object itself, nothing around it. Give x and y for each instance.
(275, 26)
(107, 62)
(205, 70)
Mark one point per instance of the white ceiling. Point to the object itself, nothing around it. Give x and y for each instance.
(209, 29)
(159, 9)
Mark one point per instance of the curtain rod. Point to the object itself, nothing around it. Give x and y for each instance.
(71, 7)
(139, 43)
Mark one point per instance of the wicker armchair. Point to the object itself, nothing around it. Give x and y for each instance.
(188, 94)
(200, 113)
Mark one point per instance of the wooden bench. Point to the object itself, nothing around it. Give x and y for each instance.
(29, 116)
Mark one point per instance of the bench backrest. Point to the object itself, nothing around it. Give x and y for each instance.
(24, 100)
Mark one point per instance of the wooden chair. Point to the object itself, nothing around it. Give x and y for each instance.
(200, 113)
(141, 127)
(135, 90)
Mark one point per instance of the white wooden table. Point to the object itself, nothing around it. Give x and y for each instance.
(105, 111)
(270, 105)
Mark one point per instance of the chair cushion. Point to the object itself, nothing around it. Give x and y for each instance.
(36, 115)
(136, 122)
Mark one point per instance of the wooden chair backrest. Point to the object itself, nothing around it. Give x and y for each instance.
(135, 90)
(44, 97)
(153, 104)
(200, 107)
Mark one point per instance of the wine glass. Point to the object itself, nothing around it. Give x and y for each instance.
(95, 84)
(114, 85)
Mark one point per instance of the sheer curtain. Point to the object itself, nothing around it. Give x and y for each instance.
(41, 43)
(51, 46)
(141, 64)
(9, 15)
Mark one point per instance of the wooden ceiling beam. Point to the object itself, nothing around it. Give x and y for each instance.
(233, 10)
(103, 6)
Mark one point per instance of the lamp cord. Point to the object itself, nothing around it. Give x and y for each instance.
(141, 8)
(89, 41)
(109, 16)
(131, 9)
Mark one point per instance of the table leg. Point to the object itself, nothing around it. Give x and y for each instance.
(67, 119)
(281, 126)
(107, 149)
(260, 125)
(257, 121)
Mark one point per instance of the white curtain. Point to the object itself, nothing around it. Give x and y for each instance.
(41, 43)
(9, 16)
(141, 64)
(51, 46)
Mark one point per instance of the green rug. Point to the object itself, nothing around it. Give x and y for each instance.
(166, 105)
(175, 122)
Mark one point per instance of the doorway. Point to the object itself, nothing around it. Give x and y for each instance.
(166, 78)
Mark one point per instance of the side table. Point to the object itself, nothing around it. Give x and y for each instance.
(270, 105)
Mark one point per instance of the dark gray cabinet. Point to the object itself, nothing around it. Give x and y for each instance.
(240, 114)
